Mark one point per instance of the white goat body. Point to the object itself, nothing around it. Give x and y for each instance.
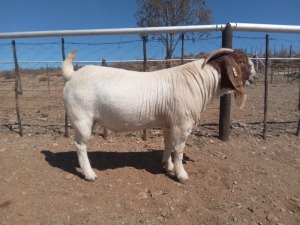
(127, 100)
(118, 99)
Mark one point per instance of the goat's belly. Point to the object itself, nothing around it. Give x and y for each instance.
(126, 123)
(126, 112)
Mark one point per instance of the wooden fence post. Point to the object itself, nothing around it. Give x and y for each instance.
(18, 88)
(144, 136)
(182, 48)
(66, 116)
(144, 53)
(225, 101)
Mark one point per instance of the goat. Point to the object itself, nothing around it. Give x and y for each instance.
(171, 99)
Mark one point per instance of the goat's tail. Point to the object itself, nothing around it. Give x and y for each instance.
(67, 66)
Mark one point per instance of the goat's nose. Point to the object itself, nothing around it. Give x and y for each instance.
(250, 81)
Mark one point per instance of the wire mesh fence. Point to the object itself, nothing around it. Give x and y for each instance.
(41, 104)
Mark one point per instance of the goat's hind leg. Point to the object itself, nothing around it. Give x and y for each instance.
(83, 133)
(167, 158)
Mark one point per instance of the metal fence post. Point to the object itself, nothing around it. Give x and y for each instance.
(266, 89)
(298, 129)
(105, 133)
(225, 101)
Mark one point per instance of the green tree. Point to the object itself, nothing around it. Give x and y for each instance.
(156, 13)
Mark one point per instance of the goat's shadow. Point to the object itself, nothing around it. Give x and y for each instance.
(151, 161)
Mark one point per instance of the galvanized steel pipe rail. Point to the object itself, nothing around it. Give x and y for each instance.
(153, 30)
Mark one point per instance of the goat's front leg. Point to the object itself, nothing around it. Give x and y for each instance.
(180, 172)
(179, 134)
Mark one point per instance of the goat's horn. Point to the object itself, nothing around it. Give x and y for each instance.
(216, 52)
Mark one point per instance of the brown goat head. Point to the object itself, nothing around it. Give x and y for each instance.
(235, 69)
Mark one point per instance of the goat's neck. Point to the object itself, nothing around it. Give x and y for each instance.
(208, 80)
(196, 87)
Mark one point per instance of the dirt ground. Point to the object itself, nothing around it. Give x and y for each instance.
(246, 180)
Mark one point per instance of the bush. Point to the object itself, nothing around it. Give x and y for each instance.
(43, 78)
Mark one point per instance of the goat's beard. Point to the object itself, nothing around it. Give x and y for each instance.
(240, 99)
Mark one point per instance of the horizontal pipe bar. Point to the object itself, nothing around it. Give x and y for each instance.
(133, 60)
(153, 30)
(265, 28)
(115, 31)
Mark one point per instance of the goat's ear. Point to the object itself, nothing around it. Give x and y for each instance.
(235, 76)
(240, 99)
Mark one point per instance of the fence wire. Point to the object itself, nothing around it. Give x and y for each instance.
(41, 103)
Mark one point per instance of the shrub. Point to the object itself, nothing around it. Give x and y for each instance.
(43, 78)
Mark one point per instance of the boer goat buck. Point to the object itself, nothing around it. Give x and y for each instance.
(170, 99)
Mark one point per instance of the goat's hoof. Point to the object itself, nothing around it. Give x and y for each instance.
(90, 176)
(183, 177)
(182, 180)
(169, 167)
